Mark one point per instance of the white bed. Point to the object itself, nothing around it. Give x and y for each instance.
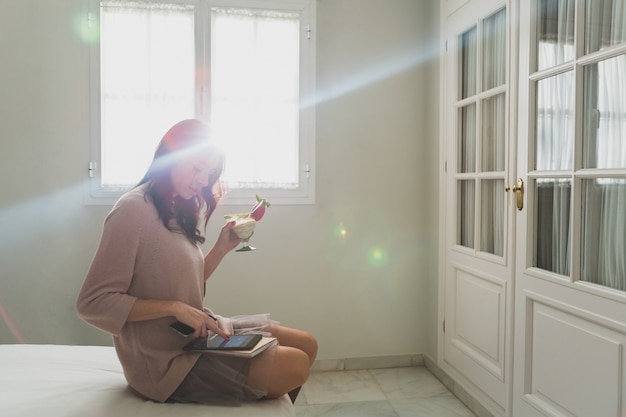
(76, 381)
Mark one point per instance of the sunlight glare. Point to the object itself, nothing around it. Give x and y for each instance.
(373, 74)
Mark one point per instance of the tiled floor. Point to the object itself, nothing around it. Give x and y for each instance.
(393, 392)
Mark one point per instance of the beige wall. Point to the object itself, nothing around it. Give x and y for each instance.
(377, 153)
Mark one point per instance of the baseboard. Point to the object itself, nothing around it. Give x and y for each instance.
(372, 362)
(469, 401)
(401, 361)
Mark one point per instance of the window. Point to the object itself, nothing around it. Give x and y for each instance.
(246, 68)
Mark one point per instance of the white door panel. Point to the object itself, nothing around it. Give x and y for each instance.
(570, 352)
(478, 328)
(478, 272)
(570, 279)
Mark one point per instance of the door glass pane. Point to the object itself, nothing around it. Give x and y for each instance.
(552, 227)
(604, 134)
(554, 147)
(603, 250)
(467, 43)
(492, 217)
(494, 50)
(493, 139)
(605, 24)
(555, 35)
(466, 210)
(467, 139)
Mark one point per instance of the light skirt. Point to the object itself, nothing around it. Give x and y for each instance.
(224, 380)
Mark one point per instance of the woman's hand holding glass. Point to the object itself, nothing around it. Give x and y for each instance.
(228, 239)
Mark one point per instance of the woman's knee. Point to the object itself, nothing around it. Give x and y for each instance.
(293, 364)
(299, 339)
(290, 370)
(298, 365)
(310, 343)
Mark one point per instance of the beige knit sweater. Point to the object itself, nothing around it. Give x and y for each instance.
(139, 258)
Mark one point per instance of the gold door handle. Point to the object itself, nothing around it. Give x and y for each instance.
(519, 193)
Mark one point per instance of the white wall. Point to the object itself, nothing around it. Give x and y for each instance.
(377, 153)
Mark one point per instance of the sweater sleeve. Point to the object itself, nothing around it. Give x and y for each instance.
(103, 300)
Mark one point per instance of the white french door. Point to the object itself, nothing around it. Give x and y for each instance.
(476, 333)
(536, 242)
(570, 320)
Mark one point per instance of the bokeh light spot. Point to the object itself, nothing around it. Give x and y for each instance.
(340, 231)
(87, 27)
(377, 256)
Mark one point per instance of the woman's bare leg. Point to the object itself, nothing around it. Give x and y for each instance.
(291, 365)
(289, 370)
(298, 339)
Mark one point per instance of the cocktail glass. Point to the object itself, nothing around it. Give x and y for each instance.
(243, 228)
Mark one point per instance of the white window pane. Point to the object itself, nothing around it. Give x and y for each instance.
(255, 95)
(554, 140)
(147, 83)
(467, 138)
(493, 133)
(555, 35)
(604, 232)
(604, 134)
(552, 228)
(492, 217)
(494, 50)
(466, 209)
(467, 46)
(605, 24)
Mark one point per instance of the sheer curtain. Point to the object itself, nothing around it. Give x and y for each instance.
(142, 92)
(603, 228)
(467, 139)
(255, 94)
(604, 147)
(554, 152)
(554, 147)
(556, 32)
(493, 133)
(488, 148)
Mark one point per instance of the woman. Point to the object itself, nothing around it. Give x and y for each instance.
(149, 271)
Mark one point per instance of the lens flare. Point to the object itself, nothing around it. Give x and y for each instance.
(87, 27)
(11, 325)
(340, 231)
(377, 256)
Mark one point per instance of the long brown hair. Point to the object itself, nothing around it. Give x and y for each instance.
(180, 141)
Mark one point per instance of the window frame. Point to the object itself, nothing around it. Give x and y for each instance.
(95, 194)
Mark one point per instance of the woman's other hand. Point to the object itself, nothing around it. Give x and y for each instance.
(201, 322)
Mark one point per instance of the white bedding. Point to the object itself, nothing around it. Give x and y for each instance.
(77, 381)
